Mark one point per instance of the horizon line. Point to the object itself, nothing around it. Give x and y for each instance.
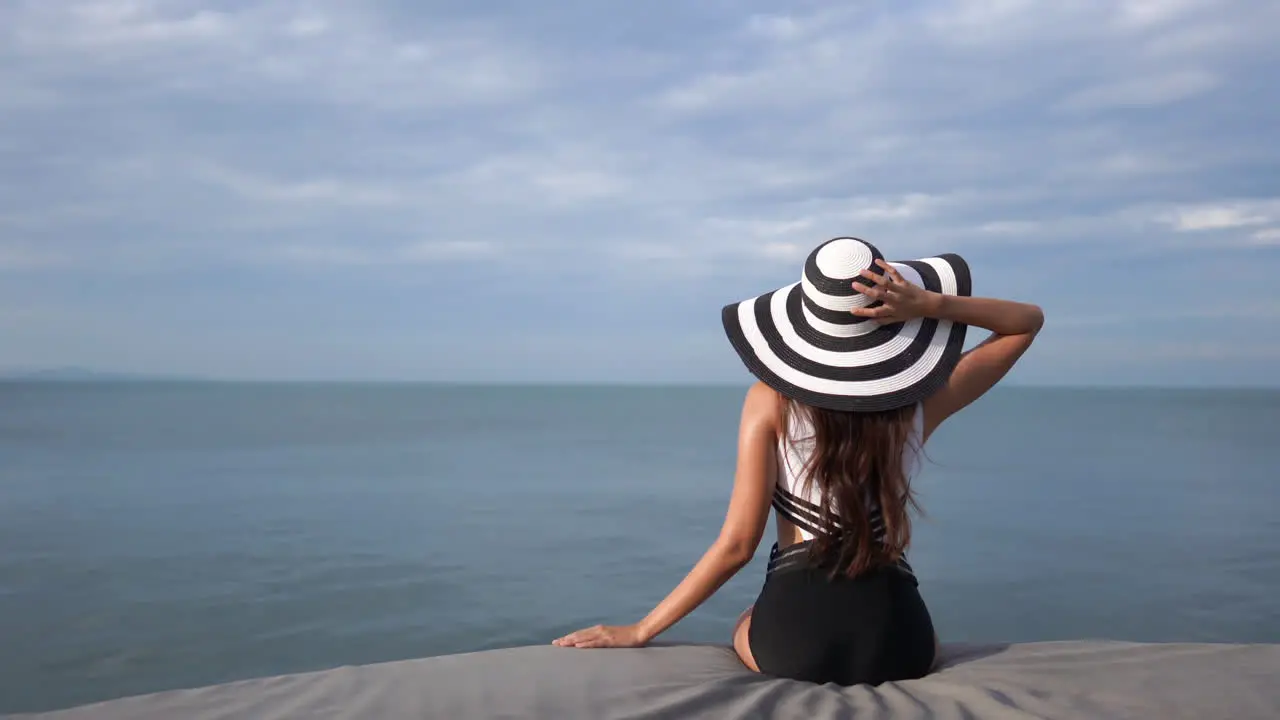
(94, 377)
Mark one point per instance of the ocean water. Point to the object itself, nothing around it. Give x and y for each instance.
(155, 536)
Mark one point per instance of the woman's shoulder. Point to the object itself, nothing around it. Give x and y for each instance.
(761, 393)
(762, 397)
(762, 405)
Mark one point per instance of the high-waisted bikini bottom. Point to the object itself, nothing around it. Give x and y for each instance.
(871, 629)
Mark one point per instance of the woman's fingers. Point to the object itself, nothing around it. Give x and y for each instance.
(877, 278)
(873, 312)
(887, 288)
(603, 636)
(881, 314)
(585, 641)
(891, 271)
(575, 637)
(586, 638)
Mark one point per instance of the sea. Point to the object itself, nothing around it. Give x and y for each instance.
(160, 535)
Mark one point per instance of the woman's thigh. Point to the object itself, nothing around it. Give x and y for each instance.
(742, 639)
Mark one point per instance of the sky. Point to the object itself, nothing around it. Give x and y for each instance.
(570, 191)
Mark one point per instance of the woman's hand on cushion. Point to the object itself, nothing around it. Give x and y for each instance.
(604, 636)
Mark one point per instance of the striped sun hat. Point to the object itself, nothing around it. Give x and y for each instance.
(802, 341)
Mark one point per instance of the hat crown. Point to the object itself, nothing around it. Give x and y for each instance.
(832, 269)
(843, 258)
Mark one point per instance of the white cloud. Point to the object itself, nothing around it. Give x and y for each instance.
(1010, 227)
(102, 26)
(1142, 361)
(813, 216)
(253, 50)
(649, 252)
(307, 26)
(1129, 163)
(1179, 313)
(989, 21)
(316, 190)
(122, 22)
(555, 177)
(704, 92)
(1208, 36)
(1222, 216)
(912, 206)
(429, 251)
(357, 255)
(562, 187)
(1269, 236)
(784, 251)
(1148, 91)
(774, 27)
(1147, 13)
(313, 254)
(761, 229)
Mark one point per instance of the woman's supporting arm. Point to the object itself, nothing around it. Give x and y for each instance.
(739, 537)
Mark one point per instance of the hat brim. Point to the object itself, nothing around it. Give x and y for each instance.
(855, 365)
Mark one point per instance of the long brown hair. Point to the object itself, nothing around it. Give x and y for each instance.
(856, 456)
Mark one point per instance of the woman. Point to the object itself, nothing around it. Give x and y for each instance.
(858, 363)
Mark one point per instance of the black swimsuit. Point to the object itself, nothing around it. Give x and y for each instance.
(807, 625)
(871, 628)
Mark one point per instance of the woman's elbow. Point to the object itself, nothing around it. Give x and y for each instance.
(736, 551)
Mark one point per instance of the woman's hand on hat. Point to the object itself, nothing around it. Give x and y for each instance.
(900, 300)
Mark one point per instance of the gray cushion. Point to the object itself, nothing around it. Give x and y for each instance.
(1047, 680)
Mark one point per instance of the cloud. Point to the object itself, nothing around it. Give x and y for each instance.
(842, 118)
(307, 26)
(1220, 216)
(1174, 314)
(1130, 355)
(20, 256)
(105, 23)
(260, 50)
(612, 149)
(428, 251)
(423, 251)
(1151, 91)
(775, 27)
(316, 190)
(1012, 228)
(1269, 236)
(565, 177)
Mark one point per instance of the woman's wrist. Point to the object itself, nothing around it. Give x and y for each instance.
(645, 630)
(934, 304)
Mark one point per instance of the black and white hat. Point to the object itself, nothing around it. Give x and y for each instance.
(803, 341)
